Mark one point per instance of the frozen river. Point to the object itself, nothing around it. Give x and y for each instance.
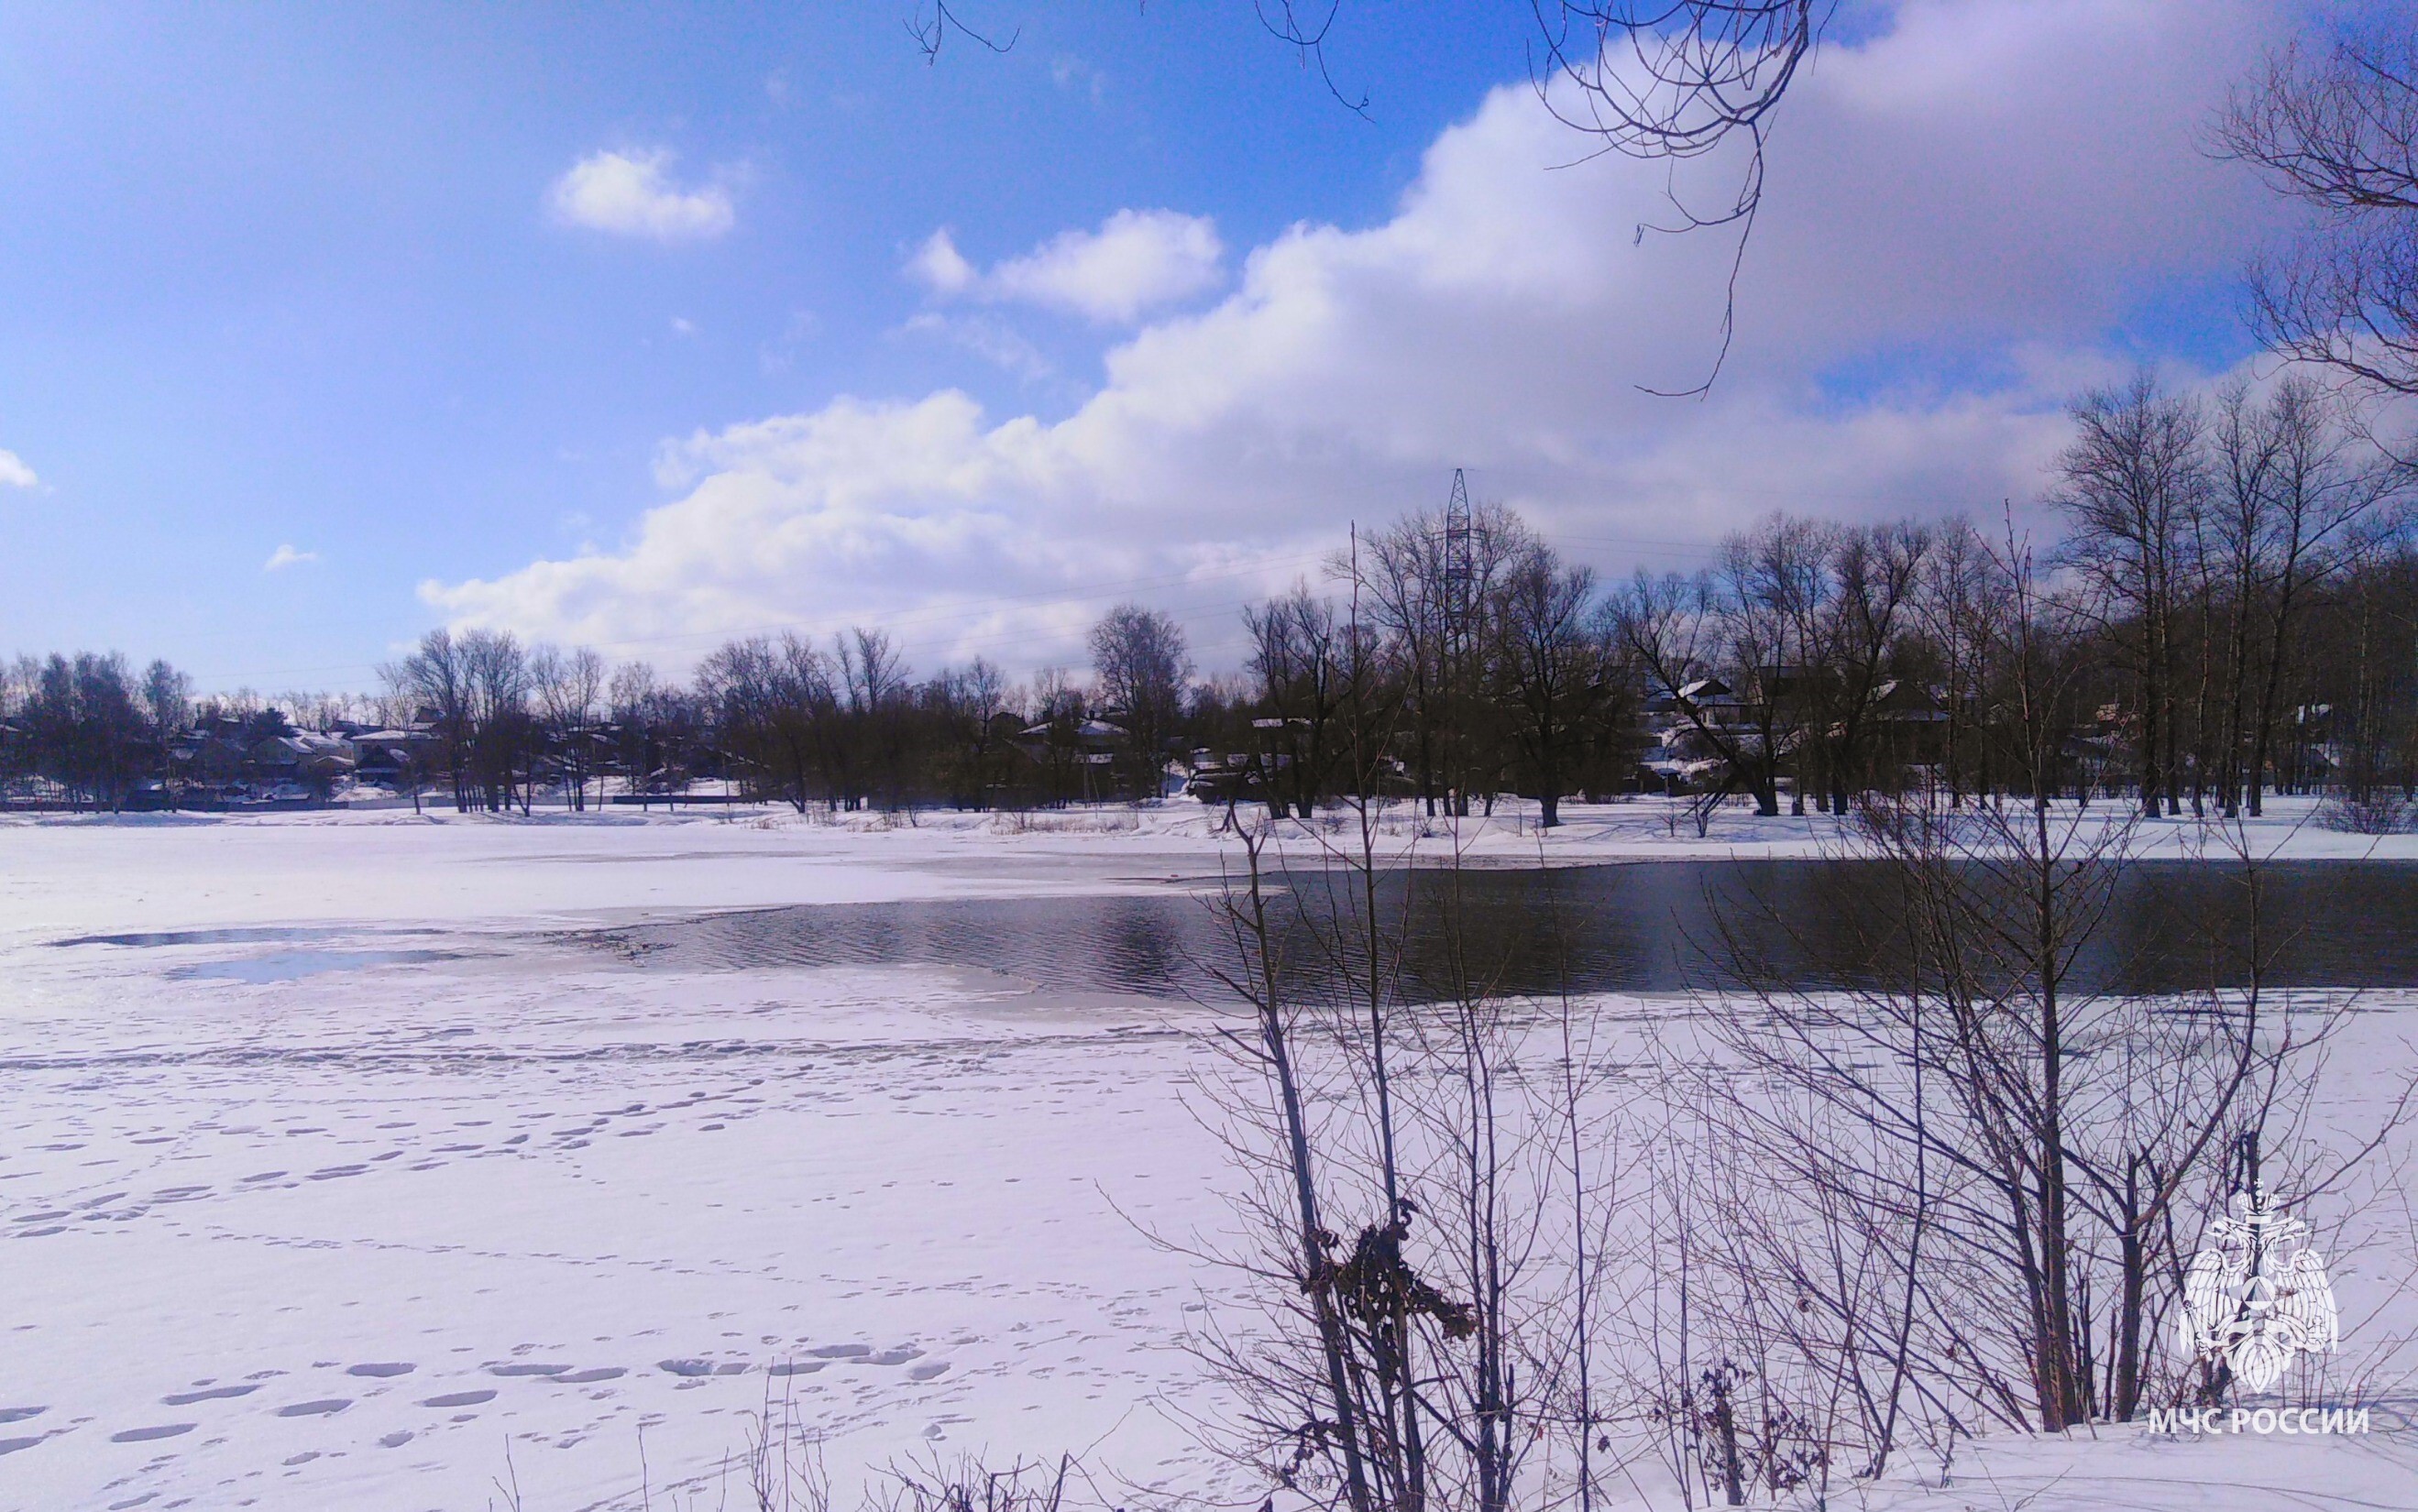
(1642, 927)
(368, 1165)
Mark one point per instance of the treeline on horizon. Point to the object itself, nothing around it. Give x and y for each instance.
(2232, 610)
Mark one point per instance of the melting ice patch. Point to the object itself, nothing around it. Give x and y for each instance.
(292, 965)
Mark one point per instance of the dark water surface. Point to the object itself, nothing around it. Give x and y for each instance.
(1653, 926)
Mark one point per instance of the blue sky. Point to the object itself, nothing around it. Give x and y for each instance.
(336, 281)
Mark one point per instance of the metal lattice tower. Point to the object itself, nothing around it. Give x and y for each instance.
(1460, 623)
(1460, 568)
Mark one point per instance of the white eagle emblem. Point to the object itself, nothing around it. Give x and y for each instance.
(2256, 1296)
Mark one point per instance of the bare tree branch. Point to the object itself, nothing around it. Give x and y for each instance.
(930, 34)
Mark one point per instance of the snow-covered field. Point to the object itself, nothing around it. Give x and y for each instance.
(335, 1173)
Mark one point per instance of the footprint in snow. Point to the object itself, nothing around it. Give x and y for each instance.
(841, 1352)
(326, 1407)
(460, 1399)
(211, 1394)
(145, 1435)
(18, 1414)
(527, 1370)
(382, 1368)
(602, 1372)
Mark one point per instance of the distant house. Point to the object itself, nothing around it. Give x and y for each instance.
(1076, 756)
(210, 760)
(1091, 737)
(1006, 726)
(387, 757)
(317, 762)
(1715, 702)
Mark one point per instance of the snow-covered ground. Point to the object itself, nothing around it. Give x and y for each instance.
(336, 1174)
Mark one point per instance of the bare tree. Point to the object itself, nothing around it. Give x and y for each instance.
(1959, 1179)
(167, 699)
(497, 680)
(1876, 572)
(2131, 486)
(653, 725)
(1140, 659)
(435, 677)
(2334, 126)
(1426, 583)
(2305, 530)
(873, 677)
(1673, 79)
(1957, 610)
(1551, 667)
(1674, 628)
(774, 706)
(1740, 651)
(871, 670)
(1304, 660)
(567, 686)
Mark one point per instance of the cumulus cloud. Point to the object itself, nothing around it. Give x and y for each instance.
(632, 194)
(1137, 261)
(285, 557)
(14, 473)
(1987, 186)
(941, 267)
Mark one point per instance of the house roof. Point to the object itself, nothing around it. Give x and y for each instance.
(1090, 729)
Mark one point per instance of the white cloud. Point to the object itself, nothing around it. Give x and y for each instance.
(285, 557)
(941, 267)
(1988, 183)
(1137, 261)
(987, 339)
(1068, 72)
(14, 473)
(632, 194)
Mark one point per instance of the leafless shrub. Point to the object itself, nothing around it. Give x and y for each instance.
(2383, 811)
(967, 1484)
(784, 1457)
(1428, 1183)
